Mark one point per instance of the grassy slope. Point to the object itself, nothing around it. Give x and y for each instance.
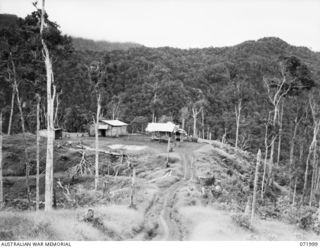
(117, 223)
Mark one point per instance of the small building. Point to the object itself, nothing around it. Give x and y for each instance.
(57, 133)
(164, 131)
(109, 128)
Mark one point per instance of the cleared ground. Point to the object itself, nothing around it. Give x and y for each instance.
(192, 197)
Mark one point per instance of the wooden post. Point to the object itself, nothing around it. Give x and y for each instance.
(255, 185)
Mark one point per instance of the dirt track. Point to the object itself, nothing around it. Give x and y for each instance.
(162, 214)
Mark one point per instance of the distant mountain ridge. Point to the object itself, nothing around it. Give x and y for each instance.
(83, 44)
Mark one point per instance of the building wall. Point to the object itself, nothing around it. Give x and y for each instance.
(111, 132)
(116, 131)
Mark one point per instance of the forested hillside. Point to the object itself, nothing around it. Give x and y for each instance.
(258, 94)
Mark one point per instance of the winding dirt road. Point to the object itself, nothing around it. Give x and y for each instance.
(162, 214)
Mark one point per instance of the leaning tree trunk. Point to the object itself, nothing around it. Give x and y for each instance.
(96, 179)
(38, 154)
(1, 179)
(50, 118)
(11, 110)
(255, 186)
(15, 85)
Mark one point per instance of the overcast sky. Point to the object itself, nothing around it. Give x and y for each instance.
(183, 23)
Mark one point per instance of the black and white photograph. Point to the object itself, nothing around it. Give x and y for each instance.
(159, 120)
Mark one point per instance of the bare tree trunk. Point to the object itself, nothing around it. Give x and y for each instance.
(11, 110)
(1, 179)
(97, 143)
(314, 169)
(15, 85)
(306, 177)
(312, 149)
(265, 161)
(294, 193)
(194, 116)
(280, 134)
(291, 153)
(238, 115)
(270, 176)
(50, 117)
(57, 109)
(275, 99)
(38, 154)
(255, 186)
(224, 136)
(202, 120)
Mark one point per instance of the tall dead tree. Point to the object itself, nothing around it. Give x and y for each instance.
(51, 94)
(297, 121)
(277, 89)
(115, 106)
(238, 109)
(1, 178)
(312, 157)
(202, 122)
(265, 158)
(255, 186)
(96, 70)
(280, 133)
(184, 113)
(96, 179)
(196, 110)
(38, 153)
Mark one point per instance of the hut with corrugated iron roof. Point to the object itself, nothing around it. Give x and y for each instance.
(109, 128)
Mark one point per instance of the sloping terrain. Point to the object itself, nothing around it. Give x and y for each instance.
(196, 192)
